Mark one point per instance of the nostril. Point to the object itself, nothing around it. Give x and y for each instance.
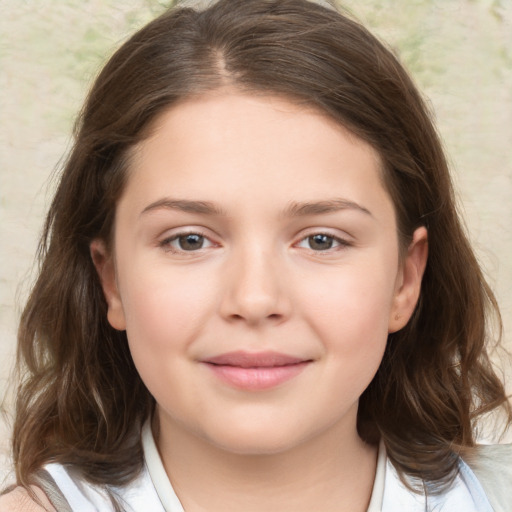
(272, 316)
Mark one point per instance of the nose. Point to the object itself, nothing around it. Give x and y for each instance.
(254, 290)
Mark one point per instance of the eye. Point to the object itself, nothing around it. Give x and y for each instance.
(187, 242)
(321, 242)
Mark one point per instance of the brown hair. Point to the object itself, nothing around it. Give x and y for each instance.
(81, 393)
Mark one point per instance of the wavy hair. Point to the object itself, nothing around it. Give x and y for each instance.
(80, 392)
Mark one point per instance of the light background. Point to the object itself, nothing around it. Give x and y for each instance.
(459, 52)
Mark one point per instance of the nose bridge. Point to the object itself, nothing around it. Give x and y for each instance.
(255, 287)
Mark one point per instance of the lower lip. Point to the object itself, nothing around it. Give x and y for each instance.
(256, 379)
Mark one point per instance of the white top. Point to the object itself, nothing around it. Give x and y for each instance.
(152, 491)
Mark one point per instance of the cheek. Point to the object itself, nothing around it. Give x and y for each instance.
(350, 313)
(164, 309)
(349, 316)
(352, 296)
(162, 321)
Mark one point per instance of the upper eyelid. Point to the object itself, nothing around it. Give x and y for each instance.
(166, 239)
(332, 232)
(173, 233)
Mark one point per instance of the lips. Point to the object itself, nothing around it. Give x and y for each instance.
(254, 360)
(255, 371)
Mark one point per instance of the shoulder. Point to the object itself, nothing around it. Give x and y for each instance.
(495, 459)
(492, 465)
(19, 500)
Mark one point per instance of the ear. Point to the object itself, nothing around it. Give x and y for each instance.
(408, 284)
(104, 262)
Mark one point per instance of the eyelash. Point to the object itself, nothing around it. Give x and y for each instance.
(337, 242)
(166, 244)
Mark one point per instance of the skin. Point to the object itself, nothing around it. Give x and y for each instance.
(19, 500)
(256, 280)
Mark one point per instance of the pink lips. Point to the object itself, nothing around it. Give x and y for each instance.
(255, 371)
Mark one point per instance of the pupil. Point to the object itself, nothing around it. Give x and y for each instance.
(190, 242)
(320, 242)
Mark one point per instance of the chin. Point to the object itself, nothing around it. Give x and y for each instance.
(257, 439)
(255, 447)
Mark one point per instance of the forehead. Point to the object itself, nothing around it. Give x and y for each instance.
(219, 109)
(230, 145)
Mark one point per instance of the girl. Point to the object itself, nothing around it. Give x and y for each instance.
(255, 292)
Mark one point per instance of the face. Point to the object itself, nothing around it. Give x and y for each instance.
(256, 271)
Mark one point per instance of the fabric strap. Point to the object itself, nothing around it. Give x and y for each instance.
(492, 465)
(45, 481)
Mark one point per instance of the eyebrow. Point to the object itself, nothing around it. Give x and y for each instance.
(201, 207)
(294, 209)
(299, 209)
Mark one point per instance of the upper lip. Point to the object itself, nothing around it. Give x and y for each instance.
(244, 359)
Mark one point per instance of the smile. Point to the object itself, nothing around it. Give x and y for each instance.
(255, 371)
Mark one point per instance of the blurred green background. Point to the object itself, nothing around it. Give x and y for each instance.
(458, 51)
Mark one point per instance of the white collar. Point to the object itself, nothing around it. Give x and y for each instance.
(379, 482)
(156, 470)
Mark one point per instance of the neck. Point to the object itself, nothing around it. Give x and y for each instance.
(332, 472)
